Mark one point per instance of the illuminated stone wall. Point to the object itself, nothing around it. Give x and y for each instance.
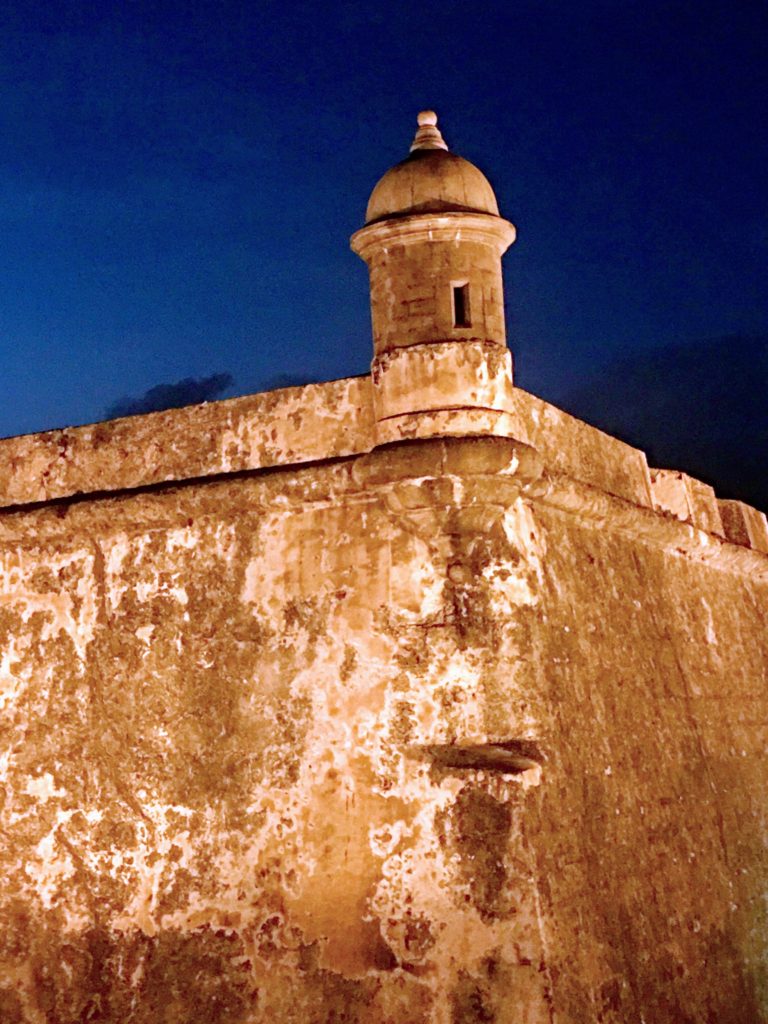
(240, 714)
(411, 287)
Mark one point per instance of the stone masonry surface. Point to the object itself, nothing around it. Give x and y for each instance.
(216, 701)
(289, 426)
(402, 699)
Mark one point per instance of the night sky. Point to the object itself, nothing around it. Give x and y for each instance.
(178, 184)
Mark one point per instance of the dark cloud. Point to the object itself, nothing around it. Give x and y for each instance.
(189, 391)
(701, 408)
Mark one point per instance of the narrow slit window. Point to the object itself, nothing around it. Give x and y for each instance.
(461, 306)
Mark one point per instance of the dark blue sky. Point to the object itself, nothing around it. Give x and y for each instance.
(178, 183)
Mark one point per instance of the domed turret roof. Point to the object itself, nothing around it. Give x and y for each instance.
(431, 180)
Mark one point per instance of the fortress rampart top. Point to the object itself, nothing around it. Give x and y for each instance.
(433, 241)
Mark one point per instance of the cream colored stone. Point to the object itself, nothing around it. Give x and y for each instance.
(687, 499)
(302, 425)
(415, 262)
(291, 425)
(430, 180)
(423, 378)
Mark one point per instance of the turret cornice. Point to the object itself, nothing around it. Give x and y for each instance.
(451, 226)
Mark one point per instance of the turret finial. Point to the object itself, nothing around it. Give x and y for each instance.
(428, 134)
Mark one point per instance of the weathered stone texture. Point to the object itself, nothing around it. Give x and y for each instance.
(579, 450)
(655, 666)
(744, 525)
(217, 705)
(398, 700)
(687, 499)
(411, 287)
(299, 424)
(319, 421)
(440, 376)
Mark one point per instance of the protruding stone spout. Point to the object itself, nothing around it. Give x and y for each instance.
(508, 757)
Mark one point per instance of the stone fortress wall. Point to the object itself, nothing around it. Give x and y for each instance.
(403, 699)
(220, 697)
